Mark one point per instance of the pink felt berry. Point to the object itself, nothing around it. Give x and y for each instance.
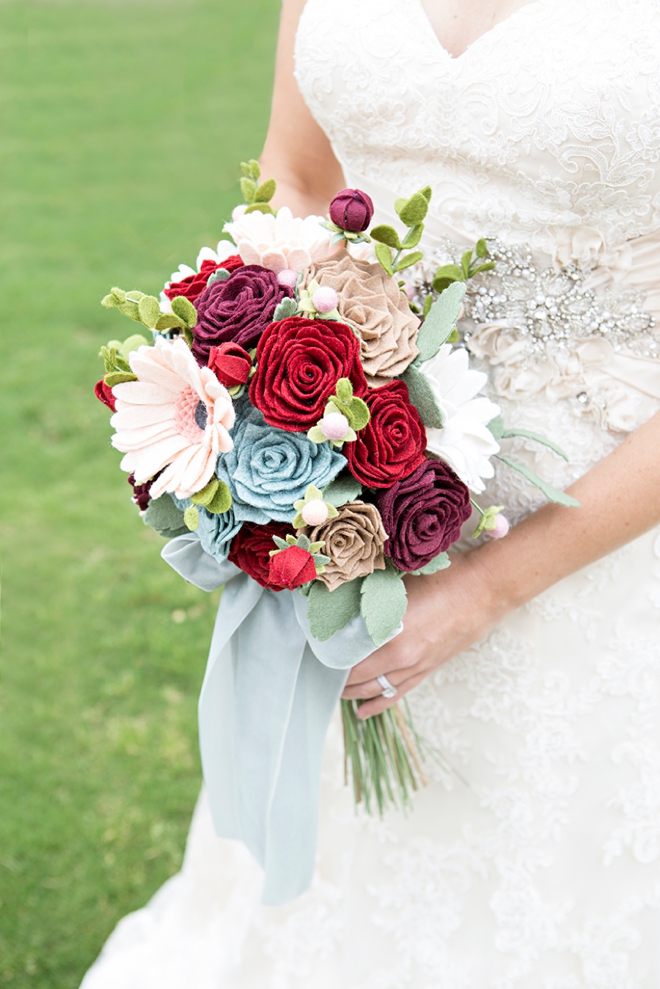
(325, 299)
(315, 512)
(409, 290)
(501, 528)
(334, 425)
(287, 277)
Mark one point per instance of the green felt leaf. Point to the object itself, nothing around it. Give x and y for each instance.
(168, 321)
(428, 302)
(149, 311)
(423, 397)
(260, 208)
(481, 249)
(466, 261)
(529, 435)
(184, 309)
(191, 517)
(496, 426)
(163, 515)
(415, 210)
(386, 235)
(343, 489)
(427, 192)
(221, 501)
(384, 256)
(488, 266)
(118, 377)
(446, 274)
(130, 308)
(330, 611)
(358, 413)
(408, 261)
(344, 390)
(206, 495)
(287, 307)
(265, 191)
(383, 603)
(251, 169)
(440, 321)
(303, 541)
(413, 236)
(336, 238)
(550, 492)
(219, 275)
(316, 435)
(248, 188)
(280, 543)
(132, 343)
(440, 562)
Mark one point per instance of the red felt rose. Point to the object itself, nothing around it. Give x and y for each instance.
(291, 568)
(391, 446)
(250, 549)
(230, 363)
(194, 285)
(299, 362)
(104, 394)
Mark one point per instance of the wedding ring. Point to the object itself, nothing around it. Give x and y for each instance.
(389, 690)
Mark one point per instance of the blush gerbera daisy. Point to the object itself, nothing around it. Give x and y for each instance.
(175, 418)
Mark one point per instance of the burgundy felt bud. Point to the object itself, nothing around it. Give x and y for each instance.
(104, 394)
(141, 495)
(352, 210)
(230, 363)
(291, 568)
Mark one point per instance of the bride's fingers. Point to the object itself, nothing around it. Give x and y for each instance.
(371, 688)
(380, 704)
(384, 660)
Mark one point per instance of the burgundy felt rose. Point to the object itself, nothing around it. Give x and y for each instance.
(250, 550)
(141, 495)
(423, 514)
(391, 446)
(352, 210)
(299, 362)
(230, 363)
(237, 309)
(291, 568)
(104, 394)
(193, 285)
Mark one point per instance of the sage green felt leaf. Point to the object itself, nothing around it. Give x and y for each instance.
(168, 321)
(384, 256)
(386, 235)
(422, 396)
(383, 603)
(132, 343)
(280, 543)
(343, 489)
(249, 189)
(287, 307)
(149, 311)
(447, 273)
(408, 260)
(221, 501)
(118, 377)
(303, 541)
(162, 514)
(266, 191)
(440, 562)
(330, 611)
(206, 495)
(481, 249)
(336, 238)
(496, 427)
(413, 236)
(358, 413)
(550, 492)
(529, 435)
(219, 275)
(440, 321)
(415, 210)
(184, 309)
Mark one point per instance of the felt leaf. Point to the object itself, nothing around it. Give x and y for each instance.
(427, 192)
(423, 397)
(184, 309)
(221, 501)
(335, 239)
(529, 435)
(149, 311)
(298, 521)
(439, 562)
(466, 261)
(287, 307)
(415, 210)
(428, 302)
(408, 261)
(447, 272)
(130, 308)
(413, 236)
(206, 495)
(251, 169)
(315, 547)
(384, 256)
(496, 426)
(481, 249)
(551, 493)
(440, 321)
(399, 204)
(383, 603)
(386, 235)
(132, 343)
(344, 390)
(488, 266)
(168, 321)
(191, 517)
(248, 188)
(316, 435)
(343, 489)
(265, 191)
(358, 413)
(330, 611)
(280, 543)
(162, 514)
(219, 275)
(320, 560)
(260, 208)
(111, 301)
(118, 377)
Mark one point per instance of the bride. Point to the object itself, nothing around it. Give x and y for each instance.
(536, 864)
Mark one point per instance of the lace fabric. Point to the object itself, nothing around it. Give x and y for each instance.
(536, 865)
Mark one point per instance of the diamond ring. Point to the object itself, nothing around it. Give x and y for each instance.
(389, 690)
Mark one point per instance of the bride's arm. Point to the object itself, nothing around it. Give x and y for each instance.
(449, 611)
(297, 153)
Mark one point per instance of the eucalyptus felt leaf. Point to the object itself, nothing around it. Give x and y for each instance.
(149, 311)
(497, 427)
(131, 344)
(422, 396)
(287, 307)
(529, 435)
(384, 255)
(440, 562)
(162, 514)
(550, 492)
(249, 189)
(408, 260)
(184, 309)
(385, 234)
(191, 517)
(265, 191)
(383, 603)
(219, 275)
(330, 611)
(168, 321)
(414, 211)
(119, 377)
(440, 322)
(343, 489)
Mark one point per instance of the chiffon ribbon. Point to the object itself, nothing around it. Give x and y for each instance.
(267, 698)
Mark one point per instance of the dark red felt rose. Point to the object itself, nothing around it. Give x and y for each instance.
(193, 285)
(391, 446)
(104, 394)
(299, 362)
(237, 309)
(250, 550)
(352, 210)
(230, 363)
(423, 514)
(141, 495)
(291, 568)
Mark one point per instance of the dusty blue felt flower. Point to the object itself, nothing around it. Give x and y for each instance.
(215, 530)
(269, 469)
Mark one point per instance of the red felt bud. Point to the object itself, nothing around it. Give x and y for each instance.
(104, 394)
(352, 210)
(292, 567)
(230, 363)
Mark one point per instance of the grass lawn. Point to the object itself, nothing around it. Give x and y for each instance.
(121, 128)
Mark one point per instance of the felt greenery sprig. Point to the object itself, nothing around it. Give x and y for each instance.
(390, 248)
(473, 262)
(146, 309)
(345, 414)
(302, 542)
(256, 195)
(115, 359)
(312, 510)
(488, 518)
(215, 497)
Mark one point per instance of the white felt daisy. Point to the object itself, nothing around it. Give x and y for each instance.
(282, 242)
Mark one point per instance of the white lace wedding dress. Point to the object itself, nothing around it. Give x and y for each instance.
(542, 869)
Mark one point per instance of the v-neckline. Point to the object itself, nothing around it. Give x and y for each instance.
(483, 38)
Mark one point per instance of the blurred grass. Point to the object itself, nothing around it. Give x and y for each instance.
(121, 126)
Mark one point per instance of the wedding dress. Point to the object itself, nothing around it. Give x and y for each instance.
(536, 864)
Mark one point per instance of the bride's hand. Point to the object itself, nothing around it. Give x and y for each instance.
(447, 612)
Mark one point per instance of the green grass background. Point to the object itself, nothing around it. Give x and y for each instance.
(121, 127)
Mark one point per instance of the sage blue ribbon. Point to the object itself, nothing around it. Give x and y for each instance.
(268, 695)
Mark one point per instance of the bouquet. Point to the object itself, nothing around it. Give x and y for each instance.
(288, 409)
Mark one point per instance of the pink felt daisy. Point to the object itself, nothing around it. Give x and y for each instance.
(175, 418)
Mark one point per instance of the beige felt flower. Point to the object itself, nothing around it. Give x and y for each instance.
(373, 303)
(354, 542)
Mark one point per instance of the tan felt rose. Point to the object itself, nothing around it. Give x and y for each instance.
(373, 303)
(354, 542)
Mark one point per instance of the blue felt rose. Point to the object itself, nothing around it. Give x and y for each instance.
(269, 469)
(215, 531)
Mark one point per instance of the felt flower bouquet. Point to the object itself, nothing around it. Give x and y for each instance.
(285, 403)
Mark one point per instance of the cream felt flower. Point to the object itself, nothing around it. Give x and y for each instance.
(464, 442)
(282, 241)
(175, 418)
